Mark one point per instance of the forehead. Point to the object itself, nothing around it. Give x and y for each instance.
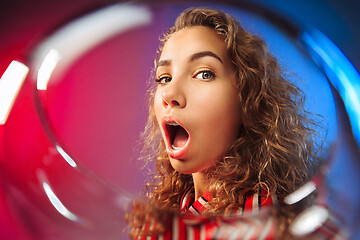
(194, 39)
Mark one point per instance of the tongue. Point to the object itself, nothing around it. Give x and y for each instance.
(181, 137)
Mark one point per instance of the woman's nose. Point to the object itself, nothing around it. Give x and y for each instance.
(173, 95)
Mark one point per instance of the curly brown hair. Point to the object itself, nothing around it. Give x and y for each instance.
(275, 149)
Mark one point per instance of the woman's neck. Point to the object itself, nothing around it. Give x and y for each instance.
(200, 184)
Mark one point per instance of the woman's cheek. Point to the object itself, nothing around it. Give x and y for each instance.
(157, 104)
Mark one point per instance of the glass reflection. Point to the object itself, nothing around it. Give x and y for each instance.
(309, 221)
(339, 70)
(10, 84)
(301, 193)
(78, 37)
(46, 68)
(55, 201)
(66, 156)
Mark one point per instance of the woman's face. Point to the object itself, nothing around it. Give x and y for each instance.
(196, 103)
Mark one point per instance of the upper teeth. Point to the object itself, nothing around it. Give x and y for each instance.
(172, 124)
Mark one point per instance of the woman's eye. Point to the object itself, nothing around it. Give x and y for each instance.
(163, 80)
(205, 75)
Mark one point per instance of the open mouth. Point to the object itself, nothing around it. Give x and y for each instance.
(177, 135)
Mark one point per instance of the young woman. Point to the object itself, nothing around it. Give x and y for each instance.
(227, 131)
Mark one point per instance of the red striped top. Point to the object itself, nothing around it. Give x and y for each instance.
(258, 224)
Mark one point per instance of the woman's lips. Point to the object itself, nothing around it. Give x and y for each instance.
(177, 137)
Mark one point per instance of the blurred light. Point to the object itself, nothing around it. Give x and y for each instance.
(57, 203)
(66, 156)
(46, 69)
(10, 84)
(309, 220)
(341, 73)
(300, 194)
(80, 35)
(124, 199)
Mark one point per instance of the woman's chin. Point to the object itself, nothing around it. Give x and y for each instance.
(175, 163)
(184, 167)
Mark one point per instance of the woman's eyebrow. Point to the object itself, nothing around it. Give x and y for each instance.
(163, 63)
(193, 57)
(198, 55)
